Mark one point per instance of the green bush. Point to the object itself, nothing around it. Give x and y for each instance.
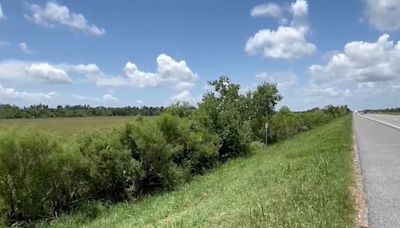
(147, 145)
(220, 113)
(180, 109)
(282, 125)
(39, 177)
(112, 172)
(197, 149)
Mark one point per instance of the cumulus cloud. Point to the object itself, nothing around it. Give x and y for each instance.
(2, 15)
(286, 42)
(110, 98)
(53, 14)
(48, 74)
(88, 69)
(361, 62)
(140, 78)
(281, 79)
(13, 70)
(185, 95)
(25, 71)
(299, 9)
(283, 43)
(383, 15)
(7, 94)
(267, 10)
(170, 72)
(24, 48)
(329, 91)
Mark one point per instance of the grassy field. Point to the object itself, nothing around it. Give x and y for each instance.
(300, 182)
(66, 126)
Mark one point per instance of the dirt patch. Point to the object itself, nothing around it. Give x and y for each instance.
(357, 191)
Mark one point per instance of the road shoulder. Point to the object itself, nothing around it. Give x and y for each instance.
(357, 190)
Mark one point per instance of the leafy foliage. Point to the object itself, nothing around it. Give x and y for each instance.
(42, 175)
(39, 176)
(180, 109)
(112, 173)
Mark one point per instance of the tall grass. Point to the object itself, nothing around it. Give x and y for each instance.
(300, 182)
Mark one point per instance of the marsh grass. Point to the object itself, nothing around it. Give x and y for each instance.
(301, 182)
(66, 126)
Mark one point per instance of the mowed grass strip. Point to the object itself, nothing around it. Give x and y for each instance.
(300, 182)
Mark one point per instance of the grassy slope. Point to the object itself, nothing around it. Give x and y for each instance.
(301, 182)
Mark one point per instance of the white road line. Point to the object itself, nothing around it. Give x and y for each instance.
(380, 121)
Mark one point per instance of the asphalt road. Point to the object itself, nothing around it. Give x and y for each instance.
(379, 150)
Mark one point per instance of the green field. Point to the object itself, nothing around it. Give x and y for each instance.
(66, 126)
(300, 182)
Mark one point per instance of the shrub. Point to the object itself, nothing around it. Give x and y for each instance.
(69, 179)
(147, 145)
(112, 172)
(259, 106)
(283, 125)
(38, 177)
(197, 148)
(180, 109)
(220, 113)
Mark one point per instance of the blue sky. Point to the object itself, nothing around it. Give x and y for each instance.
(154, 52)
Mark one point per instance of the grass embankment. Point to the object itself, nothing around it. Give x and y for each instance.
(300, 182)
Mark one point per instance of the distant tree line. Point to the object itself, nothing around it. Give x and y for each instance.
(8, 111)
(387, 110)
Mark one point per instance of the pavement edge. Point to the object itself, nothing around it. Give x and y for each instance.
(357, 188)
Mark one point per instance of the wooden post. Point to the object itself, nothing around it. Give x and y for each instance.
(266, 134)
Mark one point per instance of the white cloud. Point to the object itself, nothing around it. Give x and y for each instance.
(282, 79)
(140, 78)
(267, 10)
(88, 69)
(299, 10)
(2, 15)
(54, 14)
(25, 71)
(13, 70)
(185, 95)
(361, 62)
(383, 15)
(140, 102)
(7, 94)
(4, 43)
(287, 42)
(284, 43)
(48, 74)
(110, 98)
(329, 91)
(170, 72)
(24, 48)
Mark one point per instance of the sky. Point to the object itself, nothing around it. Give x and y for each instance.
(153, 53)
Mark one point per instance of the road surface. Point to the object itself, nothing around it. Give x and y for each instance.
(379, 150)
